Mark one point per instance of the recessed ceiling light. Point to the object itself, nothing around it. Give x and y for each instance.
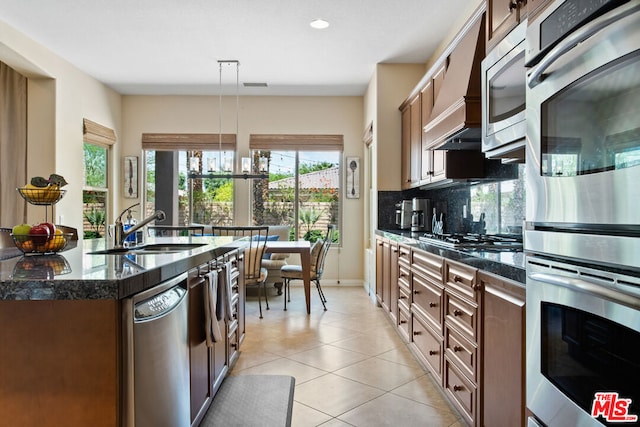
(319, 24)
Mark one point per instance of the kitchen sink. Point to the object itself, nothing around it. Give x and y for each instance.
(154, 248)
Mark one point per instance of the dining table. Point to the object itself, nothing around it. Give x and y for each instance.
(303, 248)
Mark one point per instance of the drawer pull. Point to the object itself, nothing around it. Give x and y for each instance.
(416, 292)
(457, 348)
(457, 388)
(457, 313)
(395, 250)
(432, 352)
(403, 321)
(457, 278)
(417, 333)
(402, 296)
(433, 304)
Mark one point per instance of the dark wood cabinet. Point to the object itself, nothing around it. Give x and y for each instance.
(411, 166)
(467, 327)
(503, 345)
(387, 275)
(462, 322)
(502, 17)
(210, 365)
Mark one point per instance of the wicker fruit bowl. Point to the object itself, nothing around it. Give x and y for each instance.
(41, 244)
(41, 195)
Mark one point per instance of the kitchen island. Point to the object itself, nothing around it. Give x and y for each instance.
(66, 344)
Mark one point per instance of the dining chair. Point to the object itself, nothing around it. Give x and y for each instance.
(254, 273)
(318, 256)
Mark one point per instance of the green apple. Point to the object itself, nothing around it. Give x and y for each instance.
(21, 229)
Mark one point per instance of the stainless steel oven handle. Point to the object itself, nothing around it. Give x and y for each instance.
(584, 285)
(588, 30)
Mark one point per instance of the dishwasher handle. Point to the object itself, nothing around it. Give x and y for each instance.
(158, 305)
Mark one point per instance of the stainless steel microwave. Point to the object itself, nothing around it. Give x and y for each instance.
(583, 131)
(503, 97)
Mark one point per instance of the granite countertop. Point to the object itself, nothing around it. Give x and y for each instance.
(77, 274)
(507, 264)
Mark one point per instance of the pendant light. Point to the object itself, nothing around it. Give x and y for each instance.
(222, 167)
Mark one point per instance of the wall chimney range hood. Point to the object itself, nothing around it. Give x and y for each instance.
(456, 118)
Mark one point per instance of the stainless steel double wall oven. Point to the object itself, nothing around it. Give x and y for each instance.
(583, 212)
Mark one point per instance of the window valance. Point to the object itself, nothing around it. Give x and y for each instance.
(95, 133)
(188, 141)
(296, 142)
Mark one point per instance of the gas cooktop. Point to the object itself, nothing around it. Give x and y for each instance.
(495, 242)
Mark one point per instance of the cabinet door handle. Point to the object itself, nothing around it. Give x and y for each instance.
(395, 250)
(432, 352)
(457, 313)
(457, 387)
(512, 5)
(417, 333)
(433, 304)
(457, 348)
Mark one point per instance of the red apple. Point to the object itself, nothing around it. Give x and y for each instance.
(51, 227)
(39, 234)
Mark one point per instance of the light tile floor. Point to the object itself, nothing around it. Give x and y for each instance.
(350, 365)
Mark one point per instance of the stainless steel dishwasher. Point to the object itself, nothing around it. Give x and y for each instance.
(156, 363)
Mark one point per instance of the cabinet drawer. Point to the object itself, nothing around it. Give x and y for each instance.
(429, 345)
(404, 298)
(232, 350)
(404, 256)
(427, 264)
(428, 298)
(462, 392)
(461, 314)
(462, 278)
(404, 323)
(404, 275)
(462, 352)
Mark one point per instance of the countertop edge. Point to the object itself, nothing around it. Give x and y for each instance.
(482, 260)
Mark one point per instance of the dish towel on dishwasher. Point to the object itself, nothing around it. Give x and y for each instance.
(211, 289)
(224, 296)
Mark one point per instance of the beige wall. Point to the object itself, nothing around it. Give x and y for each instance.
(266, 115)
(60, 96)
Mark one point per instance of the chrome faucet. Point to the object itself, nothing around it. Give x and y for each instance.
(120, 234)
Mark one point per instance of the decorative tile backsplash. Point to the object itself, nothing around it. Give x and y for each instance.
(500, 197)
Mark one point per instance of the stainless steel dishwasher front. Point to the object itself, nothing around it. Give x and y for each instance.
(156, 362)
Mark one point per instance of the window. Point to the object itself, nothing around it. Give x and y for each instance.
(303, 189)
(502, 203)
(173, 156)
(200, 201)
(95, 190)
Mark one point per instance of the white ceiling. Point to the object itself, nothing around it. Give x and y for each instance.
(173, 46)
